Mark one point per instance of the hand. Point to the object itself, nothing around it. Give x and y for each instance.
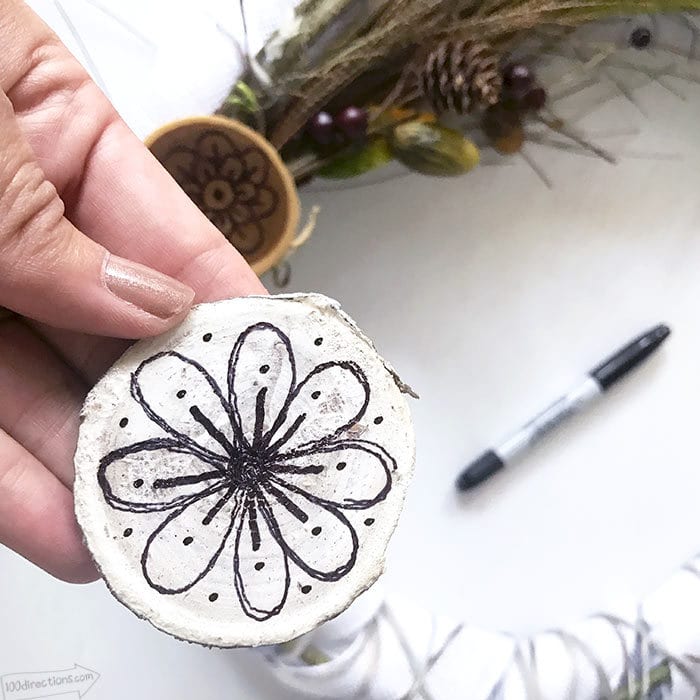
(87, 216)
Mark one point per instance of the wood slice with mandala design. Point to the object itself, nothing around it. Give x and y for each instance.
(237, 180)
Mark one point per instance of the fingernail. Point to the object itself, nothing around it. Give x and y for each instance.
(145, 288)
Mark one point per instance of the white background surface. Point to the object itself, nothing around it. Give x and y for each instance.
(490, 294)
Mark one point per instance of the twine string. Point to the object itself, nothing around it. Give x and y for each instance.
(640, 652)
(419, 671)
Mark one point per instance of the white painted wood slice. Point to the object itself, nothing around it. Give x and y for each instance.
(238, 479)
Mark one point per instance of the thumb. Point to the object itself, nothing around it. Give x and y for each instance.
(52, 272)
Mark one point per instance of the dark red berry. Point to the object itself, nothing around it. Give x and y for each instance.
(352, 122)
(535, 99)
(518, 78)
(640, 38)
(498, 121)
(321, 128)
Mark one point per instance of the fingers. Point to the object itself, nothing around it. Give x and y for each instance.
(88, 355)
(46, 396)
(36, 516)
(51, 272)
(114, 190)
(36, 503)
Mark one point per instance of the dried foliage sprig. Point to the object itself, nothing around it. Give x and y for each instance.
(408, 26)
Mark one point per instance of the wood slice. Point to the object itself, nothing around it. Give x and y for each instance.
(237, 179)
(238, 478)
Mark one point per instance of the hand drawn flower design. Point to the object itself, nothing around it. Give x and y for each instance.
(270, 473)
(230, 185)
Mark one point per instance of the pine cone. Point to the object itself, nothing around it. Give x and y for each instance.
(461, 75)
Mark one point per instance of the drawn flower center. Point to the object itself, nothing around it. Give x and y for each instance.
(218, 194)
(245, 470)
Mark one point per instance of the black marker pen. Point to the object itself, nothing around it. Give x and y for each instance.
(596, 382)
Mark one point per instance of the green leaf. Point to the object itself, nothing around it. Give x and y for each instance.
(242, 103)
(432, 149)
(371, 156)
(658, 676)
(314, 657)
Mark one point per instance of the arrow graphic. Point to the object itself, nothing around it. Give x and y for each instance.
(45, 684)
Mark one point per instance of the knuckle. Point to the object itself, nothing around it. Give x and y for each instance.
(13, 470)
(30, 211)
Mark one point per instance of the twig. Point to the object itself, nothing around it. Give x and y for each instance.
(536, 168)
(560, 128)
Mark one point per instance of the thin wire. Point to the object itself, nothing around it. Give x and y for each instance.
(83, 48)
(694, 32)
(413, 661)
(251, 61)
(532, 649)
(246, 36)
(654, 76)
(432, 660)
(672, 659)
(121, 22)
(572, 642)
(536, 167)
(543, 140)
(527, 674)
(373, 635)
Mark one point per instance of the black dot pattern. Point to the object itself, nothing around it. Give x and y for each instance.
(128, 532)
(306, 589)
(181, 394)
(138, 483)
(315, 395)
(369, 521)
(123, 422)
(259, 566)
(316, 530)
(213, 597)
(187, 540)
(264, 369)
(318, 341)
(340, 466)
(378, 420)
(206, 337)
(641, 38)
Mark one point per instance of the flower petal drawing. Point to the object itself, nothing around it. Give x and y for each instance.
(186, 545)
(245, 193)
(222, 221)
(193, 191)
(257, 166)
(215, 147)
(249, 237)
(333, 397)
(317, 537)
(261, 583)
(232, 169)
(129, 484)
(265, 473)
(265, 202)
(204, 171)
(180, 164)
(346, 474)
(261, 374)
(171, 388)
